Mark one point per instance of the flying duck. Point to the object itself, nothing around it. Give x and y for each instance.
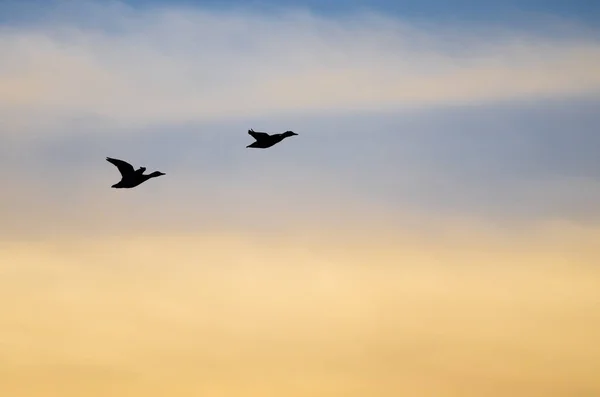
(264, 140)
(130, 177)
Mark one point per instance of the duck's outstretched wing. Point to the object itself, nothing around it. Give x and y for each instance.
(258, 135)
(124, 167)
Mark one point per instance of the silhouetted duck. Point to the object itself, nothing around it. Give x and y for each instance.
(264, 140)
(130, 177)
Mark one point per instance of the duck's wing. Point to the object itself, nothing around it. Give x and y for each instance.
(124, 167)
(258, 135)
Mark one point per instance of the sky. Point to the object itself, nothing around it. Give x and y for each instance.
(431, 231)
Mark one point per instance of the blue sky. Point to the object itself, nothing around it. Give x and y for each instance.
(509, 11)
(580, 9)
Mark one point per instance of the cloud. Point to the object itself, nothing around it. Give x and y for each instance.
(374, 313)
(371, 256)
(140, 67)
(90, 80)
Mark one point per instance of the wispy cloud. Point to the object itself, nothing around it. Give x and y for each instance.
(91, 77)
(163, 65)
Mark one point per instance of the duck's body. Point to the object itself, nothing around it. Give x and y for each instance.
(264, 140)
(129, 176)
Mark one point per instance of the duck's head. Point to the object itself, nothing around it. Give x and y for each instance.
(289, 133)
(156, 173)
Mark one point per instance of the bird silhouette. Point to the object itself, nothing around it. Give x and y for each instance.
(129, 176)
(264, 140)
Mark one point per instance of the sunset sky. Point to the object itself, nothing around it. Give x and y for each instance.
(433, 230)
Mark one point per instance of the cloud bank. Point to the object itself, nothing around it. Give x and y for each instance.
(239, 315)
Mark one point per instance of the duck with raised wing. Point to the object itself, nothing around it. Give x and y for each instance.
(264, 140)
(129, 176)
